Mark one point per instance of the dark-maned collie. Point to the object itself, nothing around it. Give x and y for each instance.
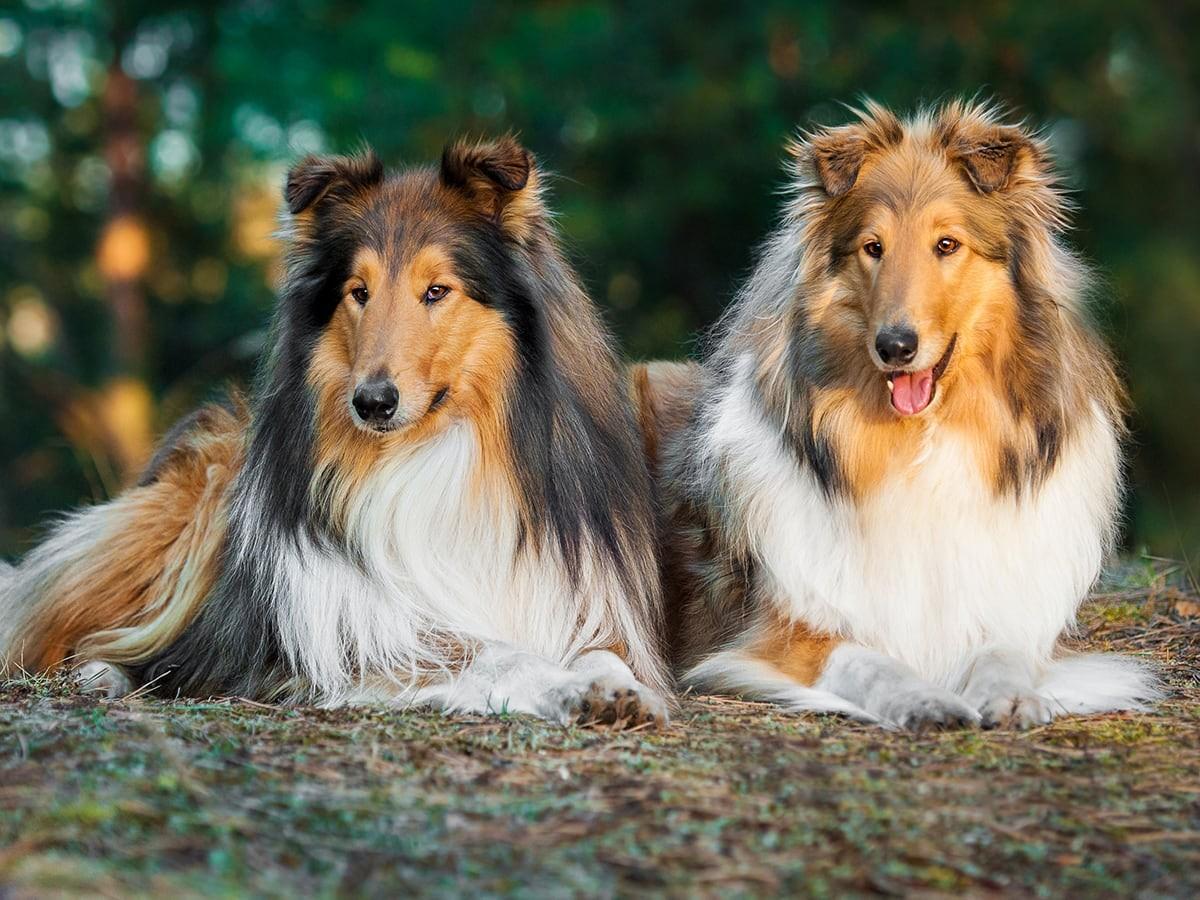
(896, 477)
(437, 497)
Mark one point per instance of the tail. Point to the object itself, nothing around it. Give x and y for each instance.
(26, 588)
(119, 580)
(1099, 682)
(734, 673)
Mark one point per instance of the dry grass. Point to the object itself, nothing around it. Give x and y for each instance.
(145, 797)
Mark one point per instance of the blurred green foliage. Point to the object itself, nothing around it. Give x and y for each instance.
(665, 123)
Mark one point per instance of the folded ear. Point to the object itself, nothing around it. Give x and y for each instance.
(991, 159)
(990, 154)
(837, 155)
(499, 178)
(316, 178)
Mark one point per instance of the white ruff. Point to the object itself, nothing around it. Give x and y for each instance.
(438, 557)
(933, 568)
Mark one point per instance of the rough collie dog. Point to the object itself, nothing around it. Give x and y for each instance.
(438, 495)
(896, 477)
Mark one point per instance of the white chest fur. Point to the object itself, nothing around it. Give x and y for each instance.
(436, 556)
(933, 567)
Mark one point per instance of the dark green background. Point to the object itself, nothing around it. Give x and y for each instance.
(664, 121)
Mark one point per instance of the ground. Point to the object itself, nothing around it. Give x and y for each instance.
(142, 797)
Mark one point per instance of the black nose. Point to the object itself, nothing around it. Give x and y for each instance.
(896, 345)
(376, 400)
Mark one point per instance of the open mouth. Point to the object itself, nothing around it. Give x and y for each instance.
(911, 392)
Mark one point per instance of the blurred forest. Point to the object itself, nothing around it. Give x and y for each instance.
(143, 144)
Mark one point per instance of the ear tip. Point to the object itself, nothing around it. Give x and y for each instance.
(503, 160)
(836, 155)
(521, 168)
(297, 187)
(310, 176)
(371, 161)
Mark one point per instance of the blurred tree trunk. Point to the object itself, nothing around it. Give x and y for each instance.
(124, 249)
(114, 424)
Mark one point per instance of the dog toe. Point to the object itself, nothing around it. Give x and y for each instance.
(103, 678)
(619, 706)
(1018, 712)
(932, 710)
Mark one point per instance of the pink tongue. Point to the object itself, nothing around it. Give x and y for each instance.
(912, 391)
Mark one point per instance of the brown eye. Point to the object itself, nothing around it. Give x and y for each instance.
(947, 245)
(435, 292)
(873, 249)
(361, 295)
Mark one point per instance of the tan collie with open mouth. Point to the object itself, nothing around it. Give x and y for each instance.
(437, 496)
(896, 476)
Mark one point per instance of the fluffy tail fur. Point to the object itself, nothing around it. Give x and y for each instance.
(732, 672)
(119, 580)
(1099, 682)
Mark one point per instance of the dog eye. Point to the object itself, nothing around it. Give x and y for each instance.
(361, 295)
(873, 249)
(435, 292)
(947, 245)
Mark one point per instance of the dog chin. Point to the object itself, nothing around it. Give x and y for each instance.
(379, 429)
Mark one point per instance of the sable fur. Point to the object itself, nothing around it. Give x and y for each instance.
(341, 564)
(794, 489)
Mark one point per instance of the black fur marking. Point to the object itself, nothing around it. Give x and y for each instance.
(809, 368)
(272, 505)
(822, 459)
(230, 648)
(579, 473)
(1034, 380)
(1009, 480)
(1049, 442)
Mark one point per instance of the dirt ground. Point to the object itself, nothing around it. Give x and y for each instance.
(143, 797)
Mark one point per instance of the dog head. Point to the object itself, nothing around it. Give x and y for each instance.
(411, 332)
(916, 223)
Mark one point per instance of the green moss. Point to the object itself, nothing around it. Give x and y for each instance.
(1121, 613)
(214, 799)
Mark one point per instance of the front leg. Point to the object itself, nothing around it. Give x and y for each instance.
(802, 670)
(597, 686)
(106, 679)
(614, 694)
(1000, 684)
(891, 691)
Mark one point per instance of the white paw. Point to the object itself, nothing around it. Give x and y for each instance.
(604, 700)
(103, 678)
(929, 709)
(1017, 710)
